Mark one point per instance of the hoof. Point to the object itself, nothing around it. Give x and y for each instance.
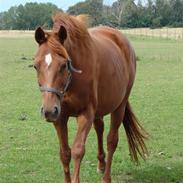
(101, 167)
(106, 180)
(100, 170)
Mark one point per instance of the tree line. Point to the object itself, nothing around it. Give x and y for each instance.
(122, 13)
(28, 17)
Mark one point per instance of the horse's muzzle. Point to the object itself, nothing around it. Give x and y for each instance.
(50, 115)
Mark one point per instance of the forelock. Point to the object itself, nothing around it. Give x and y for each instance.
(55, 45)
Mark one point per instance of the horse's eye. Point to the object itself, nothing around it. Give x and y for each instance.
(62, 68)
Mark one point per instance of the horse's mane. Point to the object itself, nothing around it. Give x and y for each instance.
(54, 43)
(83, 18)
(76, 26)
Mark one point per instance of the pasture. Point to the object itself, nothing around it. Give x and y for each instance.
(29, 147)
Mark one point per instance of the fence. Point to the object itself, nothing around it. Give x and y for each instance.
(16, 33)
(167, 33)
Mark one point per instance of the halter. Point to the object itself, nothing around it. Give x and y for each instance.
(59, 93)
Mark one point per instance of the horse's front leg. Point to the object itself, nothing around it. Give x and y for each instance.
(84, 125)
(99, 128)
(65, 152)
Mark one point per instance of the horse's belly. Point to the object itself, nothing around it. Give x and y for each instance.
(112, 86)
(114, 71)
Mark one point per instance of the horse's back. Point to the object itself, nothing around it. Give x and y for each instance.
(119, 40)
(116, 67)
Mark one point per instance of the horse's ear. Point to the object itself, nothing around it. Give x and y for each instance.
(40, 35)
(62, 34)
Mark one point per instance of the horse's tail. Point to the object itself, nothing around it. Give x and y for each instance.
(135, 134)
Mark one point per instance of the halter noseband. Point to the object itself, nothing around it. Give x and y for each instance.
(59, 93)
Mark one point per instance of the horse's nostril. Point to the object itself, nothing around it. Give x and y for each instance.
(55, 110)
(50, 115)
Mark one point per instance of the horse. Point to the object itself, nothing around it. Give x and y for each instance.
(87, 73)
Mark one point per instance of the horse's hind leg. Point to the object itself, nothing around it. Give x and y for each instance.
(99, 128)
(112, 139)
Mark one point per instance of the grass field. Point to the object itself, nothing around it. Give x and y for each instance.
(29, 146)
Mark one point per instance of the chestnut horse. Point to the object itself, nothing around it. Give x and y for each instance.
(87, 74)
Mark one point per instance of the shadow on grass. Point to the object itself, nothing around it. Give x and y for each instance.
(153, 174)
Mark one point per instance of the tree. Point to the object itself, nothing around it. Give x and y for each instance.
(29, 16)
(9, 18)
(90, 7)
(162, 12)
(140, 14)
(176, 17)
(122, 13)
(42, 15)
(79, 8)
(117, 10)
(129, 15)
(95, 11)
(1, 20)
(148, 14)
(108, 18)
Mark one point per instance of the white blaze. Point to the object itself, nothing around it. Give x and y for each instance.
(48, 59)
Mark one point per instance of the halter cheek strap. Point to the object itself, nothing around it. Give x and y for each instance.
(71, 68)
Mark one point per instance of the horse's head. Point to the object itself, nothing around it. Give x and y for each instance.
(54, 70)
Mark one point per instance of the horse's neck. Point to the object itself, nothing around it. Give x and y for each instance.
(82, 56)
(79, 51)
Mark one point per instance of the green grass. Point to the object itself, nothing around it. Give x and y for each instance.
(29, 148)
